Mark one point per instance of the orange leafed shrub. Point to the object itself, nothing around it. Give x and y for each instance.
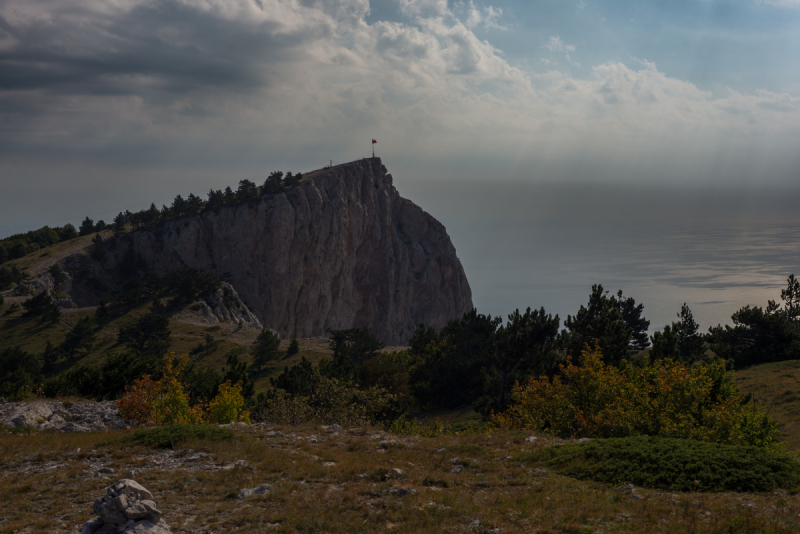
(662, 398)
(161, 402)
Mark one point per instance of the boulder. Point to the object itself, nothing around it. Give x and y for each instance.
(32, 414)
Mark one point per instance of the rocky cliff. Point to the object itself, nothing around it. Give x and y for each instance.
(341, 249)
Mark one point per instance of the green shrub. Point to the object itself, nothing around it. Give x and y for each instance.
(327, 401)
(168, 437)
(672, 464)
(662, 398)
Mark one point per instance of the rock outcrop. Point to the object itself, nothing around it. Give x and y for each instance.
(225, 305)
(342, 249)
(53, 416)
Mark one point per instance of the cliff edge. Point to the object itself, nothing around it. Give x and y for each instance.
(342, 249)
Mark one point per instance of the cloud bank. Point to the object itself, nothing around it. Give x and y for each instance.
(236, 82)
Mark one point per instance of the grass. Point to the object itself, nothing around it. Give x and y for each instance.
(169, 436)
(341, 485)
(776, 387)
(672, 464)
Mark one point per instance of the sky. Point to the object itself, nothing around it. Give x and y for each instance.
(107, 105)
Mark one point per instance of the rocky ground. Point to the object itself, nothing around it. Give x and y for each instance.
(328, 479)
(55, 416)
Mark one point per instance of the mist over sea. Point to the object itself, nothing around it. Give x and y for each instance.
(545, 245)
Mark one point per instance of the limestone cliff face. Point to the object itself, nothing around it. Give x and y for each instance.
(340, 250)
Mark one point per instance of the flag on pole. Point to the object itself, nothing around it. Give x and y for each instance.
(374, 141)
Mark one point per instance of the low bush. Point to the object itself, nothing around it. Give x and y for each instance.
(672, 464)
(329, 401)
(228, 405)
(168, 437)
(662, 398)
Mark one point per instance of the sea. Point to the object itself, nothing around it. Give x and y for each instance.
(526, 244)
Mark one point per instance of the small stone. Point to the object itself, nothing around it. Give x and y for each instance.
(456, 469)
(475, 523)
(106, 470)
(148, 527)
(313, 440)
(133, 489)
(402, 492)
(628, 487)
(396, 472)
(328, 464)
(108, 512)
(635, 497)
(121, 502)
(439, 450)
(240, 463)
(131, 473)
(584, 440)
(540, 472)
(454, 460)
(92, 526)
(260, 490)
(531, 439)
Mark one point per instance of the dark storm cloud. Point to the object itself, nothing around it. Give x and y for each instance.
(159, 47)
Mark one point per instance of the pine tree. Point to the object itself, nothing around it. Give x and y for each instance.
(80, 339)
(665, 345)
(52, 313)
(599, 321)
(50, 357)
(274, 184)
(265, 348)
(632, 314)
(87, 227)
(102, 315)
(98, 248)
(150, 334)
(119, 224)
(690, 342)
(791, 298)
(57, 273)
(294, 347)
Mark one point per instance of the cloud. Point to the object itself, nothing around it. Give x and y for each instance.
(782, 3)
(486, 17)
(555, 44)
(424, 8)
(235, 83)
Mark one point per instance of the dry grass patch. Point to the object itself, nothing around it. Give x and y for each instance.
(343, 483)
